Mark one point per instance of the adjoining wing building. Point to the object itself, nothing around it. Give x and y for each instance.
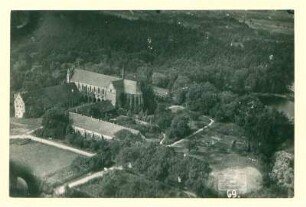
(96, 128)
(119, 91)
(34, 103)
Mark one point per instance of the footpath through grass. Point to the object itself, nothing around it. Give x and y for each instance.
(44, 160)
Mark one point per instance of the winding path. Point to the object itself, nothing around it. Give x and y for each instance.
(196, 132)
(164, 137)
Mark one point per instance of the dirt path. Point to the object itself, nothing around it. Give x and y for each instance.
(196, 132)
(164, 137)
(190, 194)
(61, 189)
(55, 144)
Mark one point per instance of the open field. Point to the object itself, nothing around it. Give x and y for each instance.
(274, 22)
(23, 126)
(243, 179)
(42, 159)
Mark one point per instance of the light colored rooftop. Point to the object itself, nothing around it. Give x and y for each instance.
(96, 125)
(102, 81)
(92, 78)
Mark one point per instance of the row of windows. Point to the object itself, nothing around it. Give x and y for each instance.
(19, 105)
(86, 133)
(91, 89)
(19, 113)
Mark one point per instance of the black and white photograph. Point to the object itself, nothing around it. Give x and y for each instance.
(152, 104)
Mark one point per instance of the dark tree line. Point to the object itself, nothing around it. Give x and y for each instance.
(55, 123)
(163, 164)
(266, 128)
(106, 43)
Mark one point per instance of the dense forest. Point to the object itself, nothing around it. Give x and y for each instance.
(218, 49)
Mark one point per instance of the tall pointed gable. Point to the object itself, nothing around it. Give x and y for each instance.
(131, 87)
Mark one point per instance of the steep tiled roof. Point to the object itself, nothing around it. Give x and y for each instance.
(100, 80)
(131, 87)
(96, 125)
(92, 78)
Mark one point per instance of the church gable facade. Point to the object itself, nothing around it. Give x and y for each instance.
(104, 87)
(112, 94)
(19, 106)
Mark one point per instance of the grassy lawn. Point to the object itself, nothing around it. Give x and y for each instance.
(44, 160)
(274, 22)
(22, 126)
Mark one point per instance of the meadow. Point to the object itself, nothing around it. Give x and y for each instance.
(22, 126)
(44, 160)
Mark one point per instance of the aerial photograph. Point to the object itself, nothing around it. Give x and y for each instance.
(151, 104)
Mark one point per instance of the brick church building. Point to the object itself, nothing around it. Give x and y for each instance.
(120, 91)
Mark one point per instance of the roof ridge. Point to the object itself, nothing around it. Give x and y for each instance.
(88, 71)
(103, 81)
(111, 76)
